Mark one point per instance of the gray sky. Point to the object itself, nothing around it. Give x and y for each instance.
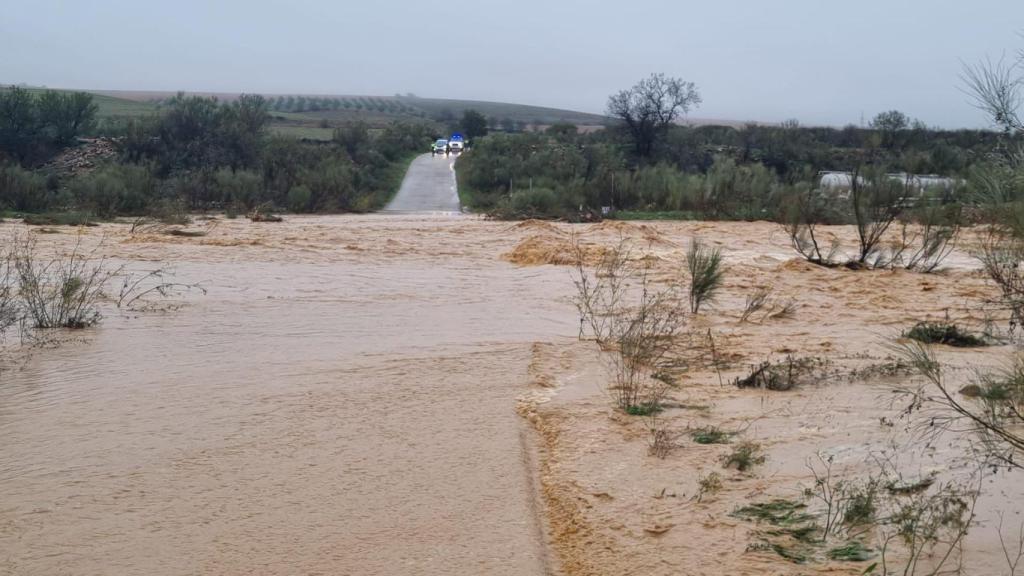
(820, 61)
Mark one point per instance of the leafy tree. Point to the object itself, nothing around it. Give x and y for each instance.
(650, 107)
(890, 124)
(63, 116)
(243, 126)
(474, 124)
(18, 122)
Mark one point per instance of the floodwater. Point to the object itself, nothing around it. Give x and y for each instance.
(336, 403)
(406, 394)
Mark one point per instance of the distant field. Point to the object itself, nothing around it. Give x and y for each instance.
(315, 116)
(302, 132)
(384, 108)
(111, 106)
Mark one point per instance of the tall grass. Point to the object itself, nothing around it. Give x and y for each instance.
(706, 273)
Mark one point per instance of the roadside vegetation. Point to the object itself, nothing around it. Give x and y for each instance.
(197, 154)
(42, 291)
(647, 165)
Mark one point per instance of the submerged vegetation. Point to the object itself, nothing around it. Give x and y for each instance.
(943, 333)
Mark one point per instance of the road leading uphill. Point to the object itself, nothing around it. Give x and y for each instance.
(429, 186)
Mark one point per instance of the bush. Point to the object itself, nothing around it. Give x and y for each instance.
(59, 219)
(943, 333)
(115, 189)
(711, 435)
(705, 267)
(299, 198)
(23, 191)
(535, 202)
(59, 293)
(237, 188)
(745, 456)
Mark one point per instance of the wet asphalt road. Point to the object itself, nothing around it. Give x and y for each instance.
(429, 186)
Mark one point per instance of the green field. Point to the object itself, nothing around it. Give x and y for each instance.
(110, 106)
(315, 117)
(302, 132)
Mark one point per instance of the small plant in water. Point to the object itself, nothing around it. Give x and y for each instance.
(943, 333)
(745, 456)
(710, 484)
(706, 273)
(711, 435)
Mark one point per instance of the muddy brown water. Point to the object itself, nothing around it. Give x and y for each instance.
(344, 400)
(340, 409)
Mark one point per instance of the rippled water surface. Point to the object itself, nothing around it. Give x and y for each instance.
(341, 401)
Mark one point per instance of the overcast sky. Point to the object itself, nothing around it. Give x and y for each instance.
(819, 61)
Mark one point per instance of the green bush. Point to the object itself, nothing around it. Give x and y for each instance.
(299, 198)
(237, 188)
(943, 333)
(115, 189)
(22, 190)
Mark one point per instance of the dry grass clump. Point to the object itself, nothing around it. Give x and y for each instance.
(540, 249)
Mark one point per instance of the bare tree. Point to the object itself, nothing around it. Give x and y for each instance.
(651, 106)
(877, 202)
(807, 210)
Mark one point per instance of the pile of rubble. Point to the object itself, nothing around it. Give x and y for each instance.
(83, 158)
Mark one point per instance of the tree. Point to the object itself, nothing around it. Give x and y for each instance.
(65, 116)
(18, 122)
(474, 124)
(890, 124)
(651, 106)
(243, 125)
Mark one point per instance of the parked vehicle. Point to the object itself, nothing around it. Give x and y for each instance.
(457, 143)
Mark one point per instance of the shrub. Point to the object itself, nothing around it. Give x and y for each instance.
(779, 376)
(705, 267)
(745, 456)
(711, 435)
(115, 189)
(639, 337)
(23, 191)
(59, 293)
(943, 333)
(531, 203)
(237, 187)
(59, 219)
(10, 311)
(298, 198)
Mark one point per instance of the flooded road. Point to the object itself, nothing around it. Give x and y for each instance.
(343, 408)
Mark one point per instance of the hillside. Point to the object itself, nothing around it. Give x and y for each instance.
(313, 110)
(109, 105)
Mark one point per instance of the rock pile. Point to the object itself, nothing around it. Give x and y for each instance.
(84, 157)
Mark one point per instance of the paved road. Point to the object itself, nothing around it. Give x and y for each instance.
(429, 186)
